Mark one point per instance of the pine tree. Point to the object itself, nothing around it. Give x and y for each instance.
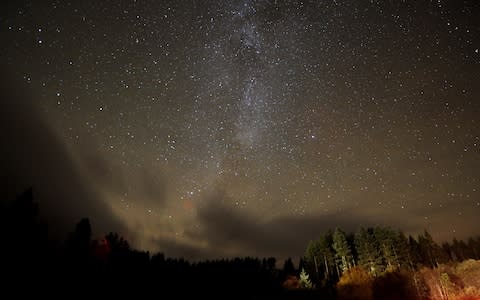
(430, 252)
(464, 250)
(320, 258)
(414, 252)
(288, 267)
(402, 249)
(327, 260)
(313, 258)
(343, 252)
(79, 241)
(472, 248)
(457, 251)
(305, 281)
(369, 255)
(447, 248)
(385, 238)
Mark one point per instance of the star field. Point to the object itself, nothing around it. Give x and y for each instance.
(287, 116)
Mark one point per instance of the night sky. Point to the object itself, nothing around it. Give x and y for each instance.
(219, 128)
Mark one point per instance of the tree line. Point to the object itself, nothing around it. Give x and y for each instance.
(110, 265)
(371, 262)
(382, 260)
(379, 250)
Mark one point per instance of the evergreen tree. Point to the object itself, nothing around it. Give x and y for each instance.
(457, 254)
(305, 281)
(369, 255)
(351, 243)
(271, 262)
(403, 251)
(313, 250)
(343, 252)
(473, 248)
(23, 235)
(320, 259)
(465, 250)
(327, 260)
(430, 252)
(385, 238)
(118, 249)
(414, 252)
(313, 258)
(447, 248)
(288, 267)
(79, 241)
(301, 264)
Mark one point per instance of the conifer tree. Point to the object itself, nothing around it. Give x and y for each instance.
(430, 252)
(313, 258)
(288, 267)
(343, 252)
(402, 250)
(414, 252)
(385, 238)
(328, 256)
(369, 254)
(305, 281)
(320, 258)
(472, 248)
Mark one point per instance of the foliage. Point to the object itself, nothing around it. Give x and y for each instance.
(320, 259)
(453, 281)
(343, 252)
(431, 254)
(305, 281)
(403, 251)
(79, 241)
(369, 254)
(291, 283)
(397, 285)
(355, 284)
(288, 267)
(388, 264)
(469, 273)
(313, 255)
(385, 238)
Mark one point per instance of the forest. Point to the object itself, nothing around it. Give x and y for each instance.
(372, 263)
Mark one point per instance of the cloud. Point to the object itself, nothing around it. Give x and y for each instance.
(104, 174)
(231, 232)
(140, 184)
(33, 156)
(175, 248)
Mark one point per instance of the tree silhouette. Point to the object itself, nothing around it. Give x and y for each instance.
(79, 242)
(388, 264)
(288, 267)
(25, 238)
(430, 252)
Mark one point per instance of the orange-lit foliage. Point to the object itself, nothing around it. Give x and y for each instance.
(101, 249)
(355, 284)
(398, 285)
(468, 298)
(291, 283)
(469, 272)
(454, 282)
(439, 282)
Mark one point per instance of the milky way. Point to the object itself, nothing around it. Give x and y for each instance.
(219, 128)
